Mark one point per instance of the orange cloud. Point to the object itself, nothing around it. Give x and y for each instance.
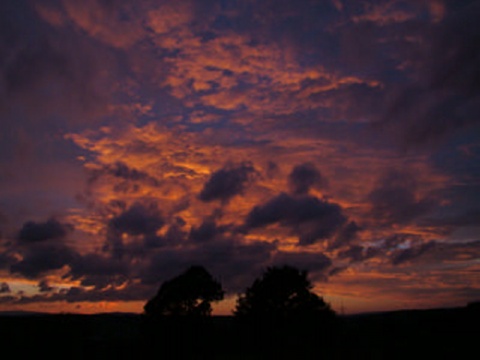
(437, 9)
(229, 72)
(53, 16)
(170, 16)
(384, 14)
(173, 167)
(105, 22)
(206, 117)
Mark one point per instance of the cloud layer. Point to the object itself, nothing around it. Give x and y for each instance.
(337, 136)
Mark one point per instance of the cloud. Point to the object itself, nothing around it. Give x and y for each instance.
(6, 259)
(140, 222)
(38, 259)
(170, 16)
(358, 253)
(175, 234)
(138, 219)
(303, 177)
(308, 217)
(49, 73)
(258, 72)
(4, 288)
(455, 61)
(44, 286)
(346, 235)
(385, 13)
(462, 255)
(108, 22)
(235, 263)
(51, 229)
(448, 224)
(122, 171)
(98, 270)
(396, 199)
(444, 99)
(207, 230)
(412, 253)
(227, 182)
(75, 294)
(291, 87)
(315, 262)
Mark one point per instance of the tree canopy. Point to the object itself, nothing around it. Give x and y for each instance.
(282, 293)
(188, 294)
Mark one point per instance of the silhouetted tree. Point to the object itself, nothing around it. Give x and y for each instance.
(282, 293)
(188, 294)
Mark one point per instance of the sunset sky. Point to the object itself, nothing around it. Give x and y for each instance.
(141, 137)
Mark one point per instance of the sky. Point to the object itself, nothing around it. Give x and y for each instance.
(141, 137)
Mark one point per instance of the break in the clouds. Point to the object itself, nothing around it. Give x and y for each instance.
(142, 137)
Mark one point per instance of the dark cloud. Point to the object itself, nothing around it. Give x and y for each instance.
(207, 231)
(354, 252)
(310, 218)
(272, 169)
(40, 258)
(357, 253)
(6, 259)
(49, 230)
(121, 171)
(303, 177)
(471, 217)
(141, 220)
(239, 263)
(445, 96)
(227, 182)
(300, 27)
(47, 72)
(176, 232)
(455, 62)
(138, 219)
(398, 240)
(98, 270)
(234, 263)
(313, 262)
(412, 252)
(44, 286)
(394, 200)
(436, 252)
(259, 80)
(346, 235)
(4, 288)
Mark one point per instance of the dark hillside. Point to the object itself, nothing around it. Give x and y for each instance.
(438, 334)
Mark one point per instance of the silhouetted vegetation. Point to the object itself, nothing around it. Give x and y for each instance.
(429, 334)
(188, 294)
(282, 294)
(278, 317)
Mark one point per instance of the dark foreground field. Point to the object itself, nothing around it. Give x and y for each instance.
(428, 334)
